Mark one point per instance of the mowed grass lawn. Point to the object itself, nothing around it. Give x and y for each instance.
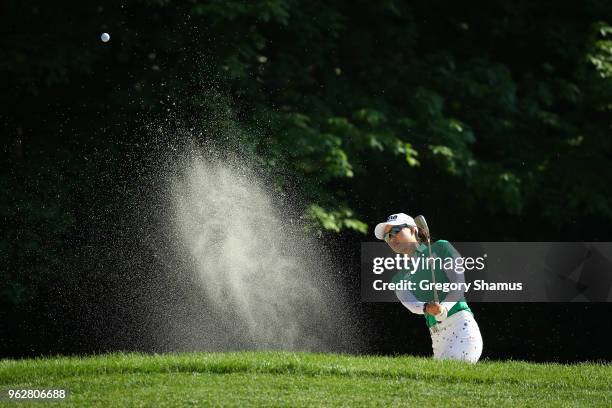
(302, 379)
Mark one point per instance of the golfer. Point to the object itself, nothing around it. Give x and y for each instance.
(454, 332)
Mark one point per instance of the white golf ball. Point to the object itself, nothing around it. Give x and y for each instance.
(105, 37)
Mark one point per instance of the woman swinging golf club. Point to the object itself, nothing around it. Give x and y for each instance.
(454, 332)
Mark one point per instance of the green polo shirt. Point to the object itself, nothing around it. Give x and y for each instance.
(440, 249)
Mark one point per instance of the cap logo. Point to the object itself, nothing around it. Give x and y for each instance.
(392, 218)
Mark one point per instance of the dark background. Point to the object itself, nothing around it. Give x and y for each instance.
(492, 118)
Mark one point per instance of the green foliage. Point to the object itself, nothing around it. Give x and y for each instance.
(601, 50)
(334, 220)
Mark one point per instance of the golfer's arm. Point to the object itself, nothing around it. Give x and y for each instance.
(409, 301)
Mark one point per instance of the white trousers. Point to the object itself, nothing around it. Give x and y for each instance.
(458, 338)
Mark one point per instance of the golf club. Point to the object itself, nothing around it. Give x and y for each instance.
(422, 225)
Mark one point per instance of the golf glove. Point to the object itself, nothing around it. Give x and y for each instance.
(443, 313)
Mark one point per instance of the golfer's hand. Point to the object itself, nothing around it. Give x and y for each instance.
(433, 308)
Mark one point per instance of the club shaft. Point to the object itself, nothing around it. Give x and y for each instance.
(433, 272)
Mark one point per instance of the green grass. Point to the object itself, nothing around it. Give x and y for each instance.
(301, 379)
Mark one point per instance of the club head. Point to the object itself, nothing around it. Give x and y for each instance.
(421, 223)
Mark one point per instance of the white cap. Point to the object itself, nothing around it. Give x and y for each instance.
(394, 219)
